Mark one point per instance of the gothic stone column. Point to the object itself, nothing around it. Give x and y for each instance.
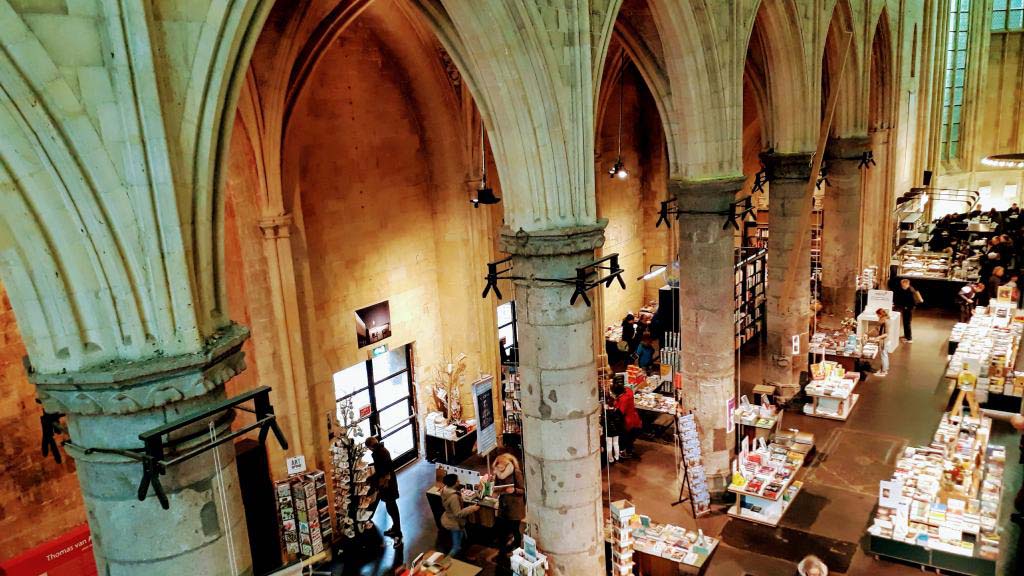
(789, 174)
(561, 423)
(877, 205)
(707, 304)
(841, 237)
(108, 408)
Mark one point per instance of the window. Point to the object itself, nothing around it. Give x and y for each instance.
(956, 71)
(508, 332)
(384, 400)
(1007, 15)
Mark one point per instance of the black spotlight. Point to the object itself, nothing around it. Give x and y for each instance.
(485, 196)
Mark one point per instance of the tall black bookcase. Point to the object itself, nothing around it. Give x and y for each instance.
(750, 290)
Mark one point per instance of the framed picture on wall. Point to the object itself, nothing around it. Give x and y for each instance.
(373, 323)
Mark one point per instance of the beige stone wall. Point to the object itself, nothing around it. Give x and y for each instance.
(383, 217)
(620, 201)
(39, 499)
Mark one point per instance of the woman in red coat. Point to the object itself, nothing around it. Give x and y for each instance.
(624, 403)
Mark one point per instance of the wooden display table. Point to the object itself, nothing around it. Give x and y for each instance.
(450, 451)
(483, 517)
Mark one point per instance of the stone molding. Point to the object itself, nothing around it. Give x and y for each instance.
(787, 166)
(852, 148)
(554, 242)
(712, 195)
(128, 387)
(276, 226)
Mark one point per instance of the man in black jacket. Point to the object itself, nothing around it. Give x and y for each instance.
(904, 299)
(386, 482)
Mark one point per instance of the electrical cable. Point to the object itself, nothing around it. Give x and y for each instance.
(223, 497)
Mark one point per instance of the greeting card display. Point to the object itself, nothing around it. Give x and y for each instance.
(692, 465)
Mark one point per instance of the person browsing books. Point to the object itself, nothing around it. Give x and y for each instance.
(880, 336)
(454, 517)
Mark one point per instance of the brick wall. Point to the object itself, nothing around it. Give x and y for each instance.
(39, 499)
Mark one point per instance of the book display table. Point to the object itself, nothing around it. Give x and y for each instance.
(657, 549)
(941, 507)
(765, 484)
(988, 346)
(831, 392)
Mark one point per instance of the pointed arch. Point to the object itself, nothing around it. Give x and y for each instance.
(849, 118)
(776, 47)
(881, 107)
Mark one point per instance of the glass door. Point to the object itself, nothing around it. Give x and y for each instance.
(381, 390)
(391, 374)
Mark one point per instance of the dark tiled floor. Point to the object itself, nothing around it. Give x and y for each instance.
(840, 487)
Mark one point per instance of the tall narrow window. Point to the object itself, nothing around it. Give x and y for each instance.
(956, 69)
(1007, 15)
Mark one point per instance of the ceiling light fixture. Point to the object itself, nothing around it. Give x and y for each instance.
(619, 169)
(1004, 160)
(484, 194)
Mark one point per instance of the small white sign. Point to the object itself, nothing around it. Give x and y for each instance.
(796, 344)
(297, 465)
(878, 299)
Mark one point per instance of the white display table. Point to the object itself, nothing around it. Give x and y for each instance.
(892, 327)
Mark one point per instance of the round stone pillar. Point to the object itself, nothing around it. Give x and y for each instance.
(707, 303)
(843, 230)
(204, 531)
(561, 405)
(788, 174)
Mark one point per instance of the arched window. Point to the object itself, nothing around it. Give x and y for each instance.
(956, 72)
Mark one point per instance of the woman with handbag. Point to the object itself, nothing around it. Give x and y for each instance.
(511, 502)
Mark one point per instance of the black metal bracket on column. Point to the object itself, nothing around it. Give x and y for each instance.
(867, 160)
(734, 214)
(582, 281)
(495, 273)
(760, 179)
(159, 454)
(822, 177)
(51, 426)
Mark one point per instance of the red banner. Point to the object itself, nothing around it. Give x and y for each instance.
(67, 555)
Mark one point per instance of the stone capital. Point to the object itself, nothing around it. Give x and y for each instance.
(710, 195)
(554, 242)
(132, 386)
(787, 166)
(279, 226)
(851, 148)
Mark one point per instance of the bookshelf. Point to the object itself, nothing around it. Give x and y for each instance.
(750, 291)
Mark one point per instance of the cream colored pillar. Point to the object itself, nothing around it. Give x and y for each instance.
(561, 405)
(707, 303)
(788, 321)
(842, 234)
